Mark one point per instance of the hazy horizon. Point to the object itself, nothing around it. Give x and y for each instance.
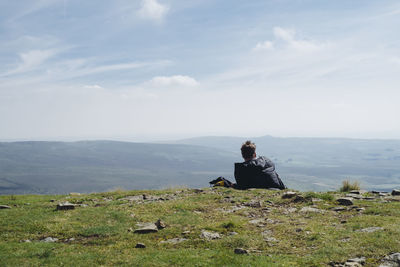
(151, 70)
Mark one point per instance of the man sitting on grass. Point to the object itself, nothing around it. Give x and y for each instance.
(256, 172)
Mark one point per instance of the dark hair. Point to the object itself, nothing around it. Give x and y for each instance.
(248, 149)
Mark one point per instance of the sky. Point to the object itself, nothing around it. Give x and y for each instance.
(143, 70)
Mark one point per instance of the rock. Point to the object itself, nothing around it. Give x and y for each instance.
(396, 192)
(232, 233)
(289, 194)
(197, 191)
(369, 198)
(209, 235)
(346, 201)
(392, 260)
(52, 200)
(173, 241)
(133, 198)
(240, 251)
(360, 260)
(371, 229)
(26, 241)
(50, 240)
(310, 209)
(358, 192)
(186, 232)
(258, 222)
(253, 204)
(74, 194)
(145, 228)
(65, 206)
(355, 196)
(140, 245)
(339, 209)
(160, 224)
(4, 207)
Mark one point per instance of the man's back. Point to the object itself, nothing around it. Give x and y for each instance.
(257, 173)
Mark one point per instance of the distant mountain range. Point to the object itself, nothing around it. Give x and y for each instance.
(93, 166)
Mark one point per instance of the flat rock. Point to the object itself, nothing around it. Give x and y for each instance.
(65, 206)
(259, 222)
(50, 240)
(346, 201)
(173, 241)
(145, 228)
(4, 207)
(253, 204)
(209, 235)
(396, 192)
(371, 229)
(241, 251)
(310, 209)
(392, 260)
(339, 209)
(289, 194)
(358, 192)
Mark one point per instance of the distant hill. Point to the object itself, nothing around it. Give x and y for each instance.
(317, 164)
(93, 166)
(322, 163)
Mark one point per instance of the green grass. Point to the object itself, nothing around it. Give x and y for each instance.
(100, 233)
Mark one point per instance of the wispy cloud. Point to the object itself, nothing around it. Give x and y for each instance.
(266, 45)
(152, 9)
(176, 80)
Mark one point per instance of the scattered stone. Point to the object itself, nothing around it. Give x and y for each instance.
(4, 207)
(310, 209)
(145, 228)
(258, 222)
(65, 206)
(384, 194)
(355, 196)
(289, 210)
(339, 209)
(253, 204)
(355, 262)
(160, 224)
(360, 260)
(197, 191)
(74, 194)
(133, 198)
(392, 260)
(298, 199)
(232, 233)
(71, 239)
(186, 232)
(361, 209)
(209, 235)
(173, 241)
(396, 192)
(26, 241)
(140, 245)
(289, 194)
(346, 201)
(369, 198)
(240, 251)
(371, 229)
(52, 200)
(358, 192)
(50, 240)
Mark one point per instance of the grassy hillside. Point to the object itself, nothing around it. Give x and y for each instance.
(202, 228)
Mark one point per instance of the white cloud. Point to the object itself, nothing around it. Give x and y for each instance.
(151, 9)
(267, 45)
(289, 36)
(93, 86)
(176, 80)
(31, 60)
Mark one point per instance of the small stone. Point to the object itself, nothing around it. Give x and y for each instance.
(310, 209)
(361, 209)
(160, 224)
(50, 240)
(71, 239)
(258, 222)
(289, 194)
(74, 194)
(240, 251)
(52, 200)
(371, 229)
(253, 204)
(396, 192)
(360, 260)
(197, 191)
(209, 235)
(140, 245)
(232, 233)
(26, 241)
(65, 206)
(185, 232)
(145, 228)
(346, 201)
(4, 207)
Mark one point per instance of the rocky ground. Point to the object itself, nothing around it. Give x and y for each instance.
(212, 226)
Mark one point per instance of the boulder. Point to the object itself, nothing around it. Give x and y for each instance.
(346, 201)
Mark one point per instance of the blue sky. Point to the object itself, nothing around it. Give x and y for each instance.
(162, 69)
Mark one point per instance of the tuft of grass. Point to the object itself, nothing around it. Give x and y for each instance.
(347, 186)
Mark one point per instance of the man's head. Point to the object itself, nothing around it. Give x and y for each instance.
(248, 150)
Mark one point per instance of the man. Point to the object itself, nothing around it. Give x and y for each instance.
(256, 172)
